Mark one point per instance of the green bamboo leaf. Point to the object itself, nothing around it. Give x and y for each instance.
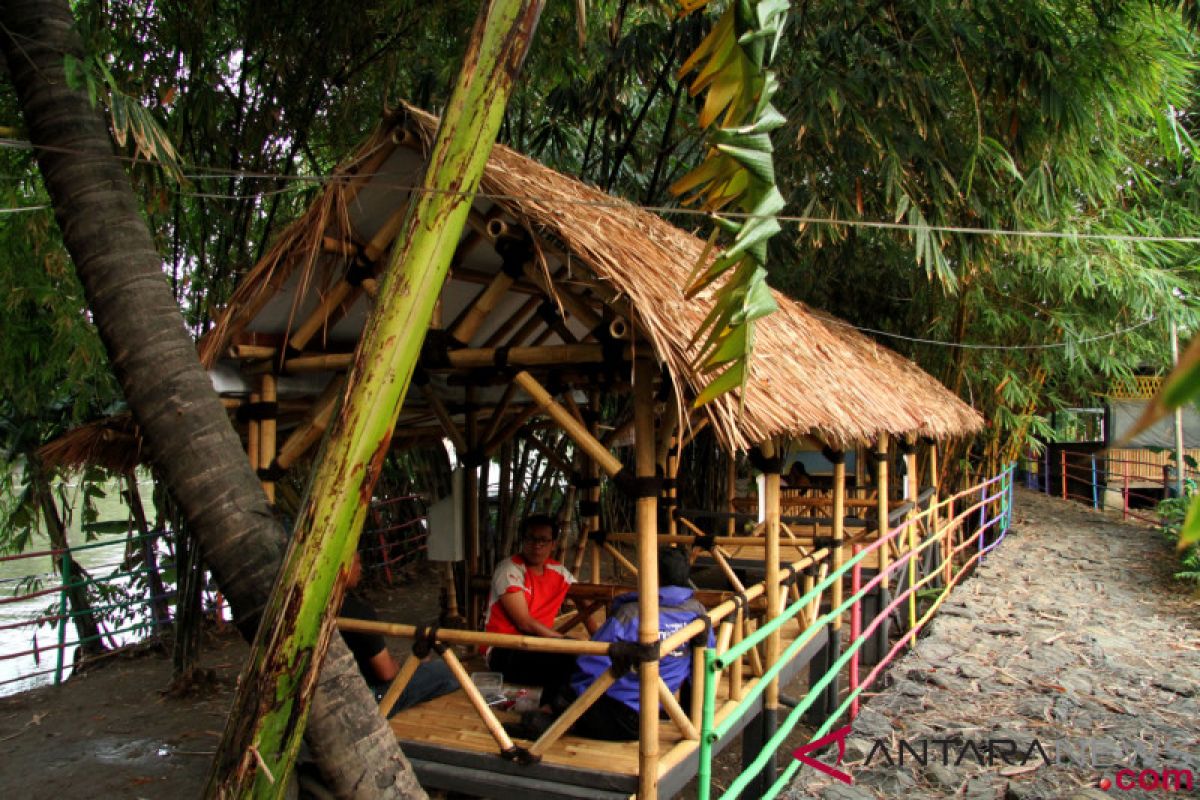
(732, 378)
(756, 162)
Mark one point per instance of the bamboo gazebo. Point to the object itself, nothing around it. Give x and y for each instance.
(558, 295)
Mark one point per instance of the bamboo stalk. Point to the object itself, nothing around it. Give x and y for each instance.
(246, 352)
(477, 700)
(253, 434)
(730, 575)
(881, 505)
(481, 307)
(511, 641)
(439, 409)
(573, 304)
(573, 712)
(338, 294)
(398, 685)
(730, 493)
(557, 461)
(737, 675)
(451, 591)
(839, 530)
(310, 431)
(647, 520)
(500, 410)
(676, 713)
(724, 636)
(774, 607)
(698, 679)
(621, 559)
(497, 336)
(267, 433)
(515, 423)
(571, 426)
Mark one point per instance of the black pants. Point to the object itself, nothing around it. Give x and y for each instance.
(551, 671)
(610, 720)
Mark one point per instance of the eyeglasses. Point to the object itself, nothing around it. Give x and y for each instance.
(534, 540)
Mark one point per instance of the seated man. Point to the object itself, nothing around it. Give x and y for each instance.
(432, 678)
(527, 592)
(614, 716)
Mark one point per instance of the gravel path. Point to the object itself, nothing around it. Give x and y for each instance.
(1073, 635)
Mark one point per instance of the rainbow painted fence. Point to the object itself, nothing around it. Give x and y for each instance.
(959, 530)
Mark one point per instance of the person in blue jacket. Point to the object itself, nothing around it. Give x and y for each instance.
(614, 716)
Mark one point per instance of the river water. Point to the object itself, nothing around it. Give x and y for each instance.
(15, 577)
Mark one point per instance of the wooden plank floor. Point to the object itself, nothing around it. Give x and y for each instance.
(451, 722)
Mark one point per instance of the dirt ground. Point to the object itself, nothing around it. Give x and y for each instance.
(112, 731)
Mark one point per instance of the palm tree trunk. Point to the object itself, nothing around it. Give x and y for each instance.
(274, 692)
(187, 433)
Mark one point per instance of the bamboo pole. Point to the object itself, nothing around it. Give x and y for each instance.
(456, 636)
(676, 713)
(698, 678)
(498, 413)
(515, 423)
(477, 700)
(481, 307)
(267, 432)
(398, 685)
(573, 304)
(737, 675)
(647, 522)
(471, 500)
(439, 410)
(881, 504)
(253, 434)
(509, 325)
(571, 426)
(310, 431)
(770, 450)
(839, 528)
(730, 493)
(339, 293)
(573, 712)
(621, 559)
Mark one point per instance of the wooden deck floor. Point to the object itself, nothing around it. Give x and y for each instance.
(451, 749)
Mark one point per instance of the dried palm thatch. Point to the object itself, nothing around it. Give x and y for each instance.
(113, 443)
(811, 374)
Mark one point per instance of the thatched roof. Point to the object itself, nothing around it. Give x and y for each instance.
(113, 443)
(810, 374)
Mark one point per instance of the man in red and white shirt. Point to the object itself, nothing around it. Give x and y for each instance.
(527, 592)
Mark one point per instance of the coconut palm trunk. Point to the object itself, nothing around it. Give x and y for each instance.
(187, 433)
(263, 732)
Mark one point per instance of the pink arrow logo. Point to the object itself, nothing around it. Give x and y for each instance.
(839, 736)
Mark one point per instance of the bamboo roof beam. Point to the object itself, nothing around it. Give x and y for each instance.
(439, 409)
(571, 426)
(312, 428)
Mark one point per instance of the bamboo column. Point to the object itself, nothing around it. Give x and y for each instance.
(647, 529)
(913, 489)
(770, 451)
(267, 434)
(881, 504)
(253, 434)
(730, 492)
(839, 526)
(471, 503)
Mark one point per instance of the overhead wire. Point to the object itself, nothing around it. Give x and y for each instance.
(218, 173)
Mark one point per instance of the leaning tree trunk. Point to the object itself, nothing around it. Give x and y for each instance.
(262, 735)
(187, 433)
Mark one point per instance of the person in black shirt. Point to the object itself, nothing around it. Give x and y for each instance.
(432, 679)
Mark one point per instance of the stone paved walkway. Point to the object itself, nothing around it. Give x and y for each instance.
(1071, 634)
